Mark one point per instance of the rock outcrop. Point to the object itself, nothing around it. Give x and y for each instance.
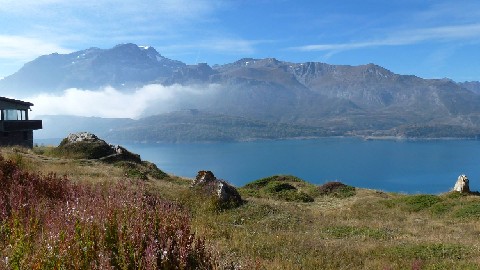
(82, 137)
(85, 145)
(121, 154)
(88, 145)
(226, 193)
(462, 184)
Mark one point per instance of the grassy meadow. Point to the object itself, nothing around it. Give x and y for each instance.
(59, 213)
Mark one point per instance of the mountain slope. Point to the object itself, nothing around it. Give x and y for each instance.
(361, 99)
(473, 86)
(124, 66)
(194, 125)
(59, 126)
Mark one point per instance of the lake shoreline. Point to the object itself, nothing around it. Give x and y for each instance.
(389, 164)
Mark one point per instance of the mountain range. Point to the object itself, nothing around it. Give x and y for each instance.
(308, 99)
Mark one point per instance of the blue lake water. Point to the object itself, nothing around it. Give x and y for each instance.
(398, 166)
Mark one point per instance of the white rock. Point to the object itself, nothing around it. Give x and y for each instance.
(462, 184)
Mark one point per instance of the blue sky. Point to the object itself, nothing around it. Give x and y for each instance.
(430, 39)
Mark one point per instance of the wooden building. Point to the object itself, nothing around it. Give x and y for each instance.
(15, 127)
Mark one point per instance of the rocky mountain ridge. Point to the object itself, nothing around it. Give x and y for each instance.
(366, 99)
(123, 66)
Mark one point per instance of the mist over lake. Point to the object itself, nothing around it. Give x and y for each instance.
(427, 166)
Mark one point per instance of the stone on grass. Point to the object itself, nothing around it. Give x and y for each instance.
(222, 190)
(88, 145)
(462, 184)
(82, 137)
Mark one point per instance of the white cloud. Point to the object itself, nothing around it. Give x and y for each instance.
(16, 50)
(172, 9)
(101, 19)
(31, 28)
(26, 48)
(414, 36)
(16, 5)
(112, 103)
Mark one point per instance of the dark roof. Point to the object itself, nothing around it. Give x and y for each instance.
(16, 101)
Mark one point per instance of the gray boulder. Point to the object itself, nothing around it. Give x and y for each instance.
(88, 145)
(226, 193)
(82, 137)
(120, 153)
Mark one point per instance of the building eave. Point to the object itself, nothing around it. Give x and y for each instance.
(16, 101)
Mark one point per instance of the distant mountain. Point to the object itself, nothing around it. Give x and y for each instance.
(351, 100)
(473, 86)
(125, 66)
(194, 125)
(179, 126)
(59, 126)
(346, 98)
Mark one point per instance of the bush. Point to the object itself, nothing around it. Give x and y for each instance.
(336, 189)
(279, 187)
(275, 186)
(260, 183)
(84, 149)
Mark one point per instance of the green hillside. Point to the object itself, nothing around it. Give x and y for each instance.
(70, 213)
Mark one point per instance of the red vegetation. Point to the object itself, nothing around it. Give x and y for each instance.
(50, 222)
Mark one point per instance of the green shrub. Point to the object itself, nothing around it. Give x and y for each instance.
(280, 187)
(273, 187)
(286, 192)
(336, 189)
(260, 183)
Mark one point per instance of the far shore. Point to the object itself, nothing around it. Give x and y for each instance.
(56, 141)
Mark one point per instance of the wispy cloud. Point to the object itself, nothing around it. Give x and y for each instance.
(109, 102)
(109, 17)
(408, 37)
(26, 48)
(34, 27)
(171, 8)
(31, 28)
